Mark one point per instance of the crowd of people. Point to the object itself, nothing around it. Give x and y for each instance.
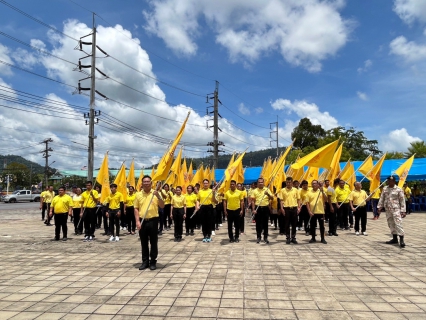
(155, 209)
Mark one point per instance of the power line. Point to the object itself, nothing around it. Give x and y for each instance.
(254, 124)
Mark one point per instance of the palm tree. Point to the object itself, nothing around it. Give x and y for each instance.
(417, 147)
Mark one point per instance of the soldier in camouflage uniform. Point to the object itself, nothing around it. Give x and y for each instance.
(393, 200)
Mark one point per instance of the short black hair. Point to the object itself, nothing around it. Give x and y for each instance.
(260, 178)
(146, 176)
(233, 181)
(289, 179)
(304, 182)
(206, 180)
(62, 187)
(89, 182)
(113, 185)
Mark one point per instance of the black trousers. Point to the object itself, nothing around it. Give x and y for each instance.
(213, 219)
(61, 222)
(281, 223)
(44, 208)
(219, 213)
(343, 215)
(206, 214)
(131, 220)
(262, 217)
(233, 219)
(105, 219)
(161, 218)
(320, 219)
(98, 216)
(114, 221)
(48, 218)
(189, 223)
(361, 214)
(290, 219)
(303, 218)
(123, 218)
(149, 236)
(274, 219)
(89, 217)
(242, 220)
(167, 220)
(178, 214)
(332, 219)
(77, 228)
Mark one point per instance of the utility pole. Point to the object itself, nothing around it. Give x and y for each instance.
(46, 156)
(275, 124)
(216, 143)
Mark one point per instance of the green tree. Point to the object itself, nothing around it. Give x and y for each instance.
(418, 148)
(395, 155)
(19, 175)
(307, 134)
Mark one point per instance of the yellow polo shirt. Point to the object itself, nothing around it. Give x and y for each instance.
(87, 198)
(233, 199)
(289, 197)
(312, 199)
(342, 194)
(407, 193)
(178, 201)
(358, 197)
(376, 194)
(302, 196)
(76, 199)
(114, 200)
(62, 204)
(130, 200)
(332, 193)
(274, 204)
(205, 196)
(260, 196)
(142, 201)
(48, 196)
(42, 195)
(167, 196)
(190, 200)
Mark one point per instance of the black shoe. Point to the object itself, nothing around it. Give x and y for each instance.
(45, 221)
(153, 266)
(266, 241)
(237, 240)
(55, 239)
(323, 241)
(335, 234)
(307, 233)
(401, 242)
(160, 233)
(275, 228)
(294, 240)
(64, 239)
(288, 241)
(175, 240)
(179, 239)
(347, 228)
(48, 224)
(192, 233)
(258, 240)
(312, 240)
(394, 240)
(330, 233)
(144, 265)
(351, 226)
(187, 234)
(231, 240)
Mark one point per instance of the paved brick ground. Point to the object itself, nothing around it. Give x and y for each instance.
(349, 278)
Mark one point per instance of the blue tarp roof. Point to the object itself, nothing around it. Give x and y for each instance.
(417, 171)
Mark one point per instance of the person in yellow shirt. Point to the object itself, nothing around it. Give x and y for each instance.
(190, 201)
(177, 212)
(342, 194)
(358, 201)
(303, 212)
(374, 201)
(206, 197)
(146, 205)
(62, 206)
(233, 205)
(49, 194)
(89, 201)
(76, 199)
(332, 207)
(290, 203)
(129, 210)
(114, 202)
(260, 198)
(316, 199)
(273, 209)
(407, 194)
(241, 188)
(167, 194)
(43, 205)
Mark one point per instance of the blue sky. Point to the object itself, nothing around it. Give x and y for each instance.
(348, 63)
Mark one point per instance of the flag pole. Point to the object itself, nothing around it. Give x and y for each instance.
(213, 189)
(159, 183)
(371, 193)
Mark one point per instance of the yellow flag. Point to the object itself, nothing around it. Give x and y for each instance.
(180, 179)
(167, 159)
(230, 174)
(240, 170)
(131, 175)
(320, 158)
(103, 179)
(374, 175)
(349, 175)
(190, 173)
(402, 171)
(212, 176)
(268, 170)
(279, 165)
(175, 168)
(120, 181)
(262, 172)
(198, 176)
(207, 173)
(335, 165)
(312, 174)
(184, 179)
(139, 184)
(170, 179)
(366, 166)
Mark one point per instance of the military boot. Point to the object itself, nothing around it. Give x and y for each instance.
(394, 240)
(401, 242)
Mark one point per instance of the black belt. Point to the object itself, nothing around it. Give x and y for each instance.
(61, 212)
(290, 207)
(263, 206)
(150, 219)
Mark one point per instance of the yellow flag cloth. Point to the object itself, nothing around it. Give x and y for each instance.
(348, 174)
(190, 173)
(320, 158)
(374, 175)
(402, 171)
(366, 166)
(163, 167)
(335, 165)
(131, 175)
(120, 181)
(103, 179)
(230, 174)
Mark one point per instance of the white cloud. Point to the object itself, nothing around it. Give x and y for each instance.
(4, 56)
(397, 140)
(367, 65)
(410, 51)
(363, 96)
(121, 146)
(258, 110)
(243, 109)
(308, 110)
(305, 32)
(410, 10)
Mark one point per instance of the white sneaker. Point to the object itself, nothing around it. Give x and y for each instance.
(112, 238)
(272, 224)
(364, 233)
(213, 233)
(301, 229)
(90, 238)
(220, 225)
(86, 238)
(117, 239)
(357, 233)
